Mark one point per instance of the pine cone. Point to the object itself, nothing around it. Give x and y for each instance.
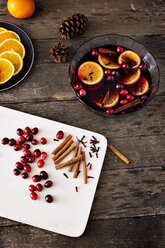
(73, 26)
(59, 53)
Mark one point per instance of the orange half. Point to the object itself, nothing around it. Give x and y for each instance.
(129, 57)
(131, 77)
(140, 87)
(108, 61)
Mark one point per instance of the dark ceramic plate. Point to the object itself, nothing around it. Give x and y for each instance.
(28, 59)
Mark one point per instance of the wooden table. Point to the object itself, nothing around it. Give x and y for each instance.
(129, 206)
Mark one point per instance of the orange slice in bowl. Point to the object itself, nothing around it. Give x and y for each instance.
(6, 70)
(140, 87)
(131, 77)
(107, 61)
(90, 73)
(2, 29)
(129, 57)
(8, 35)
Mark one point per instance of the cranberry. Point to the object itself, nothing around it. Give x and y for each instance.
(110, 78)
(125, 66)
(34, 142)
(82, 93)
(48, 184)
(143, 66)
(21, 139)
(43, 155)
(119, 86)
(19, 165)
(27, 130)
(17, 147)
(94, 52)
(124, 92)
(124, 101)
(29, 137)
(20, 132)
(31, 159)
(24, 159)
(107, 71)
(48, 198)
(37, 153)
(26, 146)
(5, 141)
(130, 97)
(39, 187)
(40, 163)
(110, 111)
(60, 134)
(115, 73)
(78, 87)
(12, 142)
(35, 130)
(25, 175)
(33, 196)
(44, 175)
(32, 187)
(43, 141)
(27, 168)
(16, 172)
(120, 49)
(144, 97)
(36, 178)
(26, 153)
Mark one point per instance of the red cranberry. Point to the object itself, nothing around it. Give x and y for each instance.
(110, 78)
(48, 184)
(144, 97)
(44, 175)
(130, 97)
(33, 196)
(34, 142)
(43, 155)
(124, 92)
(32, 187)
(115, 73)
(120, 49)
(29, 137)
(17, 147)
(27, 168)
(110, 111)
(24, 159)
(27, 130)
(19, 165)
(94, 52)
(31, 159)
(78, 87)
(143, 66)
(16, 172)
(36, 178)
(12, 142)
(119, 86)
(26, 146)
(25, 175)
(124, 101)
(60, 134)
(82, 93)
(107, 71)
(5, 141)
(43, 141)
(40, 163)
(125, 66)
(39, 187)
(26, 153)
(35, 130)
(37, 153)
(48, 198)
(21, 139)
(20, 132)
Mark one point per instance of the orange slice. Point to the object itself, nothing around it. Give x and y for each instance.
(15, 59)
(2, 29)
(131, 77)
(6, 70)
(12, 45)
(140, 87)
(108, 61)
(130, 57)
(8, 35)
(90, 73)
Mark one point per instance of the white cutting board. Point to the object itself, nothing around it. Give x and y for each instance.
(69, 212)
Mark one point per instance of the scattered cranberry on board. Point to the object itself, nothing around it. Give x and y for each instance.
(60, 134)
(43, 141)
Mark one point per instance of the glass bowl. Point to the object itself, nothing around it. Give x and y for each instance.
(119, 40)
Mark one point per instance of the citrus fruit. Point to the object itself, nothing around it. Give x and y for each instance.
(90, 73)
(131, 77)
(8, 35)
(107, 61)
(130, 57)
(2, 29)
(6, 70)
(140, 87)
(15, 59)
(12, 45)
(21, 9)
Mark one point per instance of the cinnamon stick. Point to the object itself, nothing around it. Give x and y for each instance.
(74, 155)
(76, 168)
(105, 98)
(58, 160)
(62, 144)
(121, 156)
(63, 149)
(84, 168)
(69, 162)
(127, 105)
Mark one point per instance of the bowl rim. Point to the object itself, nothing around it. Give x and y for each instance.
(103, 113)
